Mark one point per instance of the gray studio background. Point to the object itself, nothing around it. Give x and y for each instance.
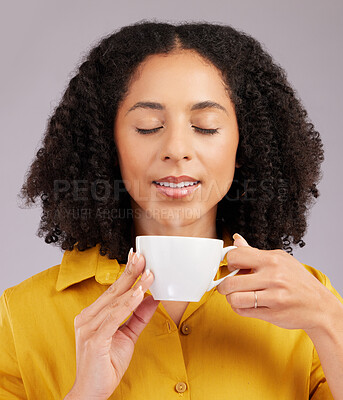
(42, 43)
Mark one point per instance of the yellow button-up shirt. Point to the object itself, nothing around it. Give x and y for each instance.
(213, 354)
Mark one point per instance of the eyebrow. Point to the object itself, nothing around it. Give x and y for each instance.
(197, 106)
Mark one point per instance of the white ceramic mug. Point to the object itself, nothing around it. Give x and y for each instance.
(183, 267)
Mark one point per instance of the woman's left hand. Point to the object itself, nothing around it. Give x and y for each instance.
(288, 295)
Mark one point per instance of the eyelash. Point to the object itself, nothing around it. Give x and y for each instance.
(205, 131)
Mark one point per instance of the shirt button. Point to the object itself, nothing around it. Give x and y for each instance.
(180, 387)
(186, 329)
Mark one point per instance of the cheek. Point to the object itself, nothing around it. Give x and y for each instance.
(222, 167)
(131, 168)
(129, 156)
(134, 171)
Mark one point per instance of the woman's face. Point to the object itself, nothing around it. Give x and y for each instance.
(175, 96)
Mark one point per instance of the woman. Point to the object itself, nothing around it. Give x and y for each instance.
(155, 105)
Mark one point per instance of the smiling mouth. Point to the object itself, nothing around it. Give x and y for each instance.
(176, 185)
(174, 190)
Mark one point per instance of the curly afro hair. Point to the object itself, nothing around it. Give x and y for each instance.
(279, 150)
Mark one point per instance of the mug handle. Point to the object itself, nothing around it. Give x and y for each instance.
(215, 283)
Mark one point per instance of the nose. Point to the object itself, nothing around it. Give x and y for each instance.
(177, 144)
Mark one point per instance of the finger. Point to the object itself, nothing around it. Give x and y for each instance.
(231, 268)
(247, 299)
(250, 257)
(121, 307)
(134, 326)
(241, 271)
(262, 313)
(132, 271)
(243, 283)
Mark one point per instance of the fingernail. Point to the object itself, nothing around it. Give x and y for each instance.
(137, 291)
(135, 257)
(145, 275)
(237, 236)
(130, 255)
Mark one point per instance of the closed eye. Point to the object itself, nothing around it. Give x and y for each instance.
(201, 130)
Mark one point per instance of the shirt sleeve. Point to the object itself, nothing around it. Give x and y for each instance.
(11, 384)
(319, 388)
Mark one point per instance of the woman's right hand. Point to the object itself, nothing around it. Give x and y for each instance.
(104, 347)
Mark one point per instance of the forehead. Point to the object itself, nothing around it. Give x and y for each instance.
(177, 73)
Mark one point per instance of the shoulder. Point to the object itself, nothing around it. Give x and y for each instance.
(33, 289)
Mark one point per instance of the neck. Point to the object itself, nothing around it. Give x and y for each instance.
(215, 231)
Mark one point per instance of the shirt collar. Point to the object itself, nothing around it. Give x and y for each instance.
(77, 266)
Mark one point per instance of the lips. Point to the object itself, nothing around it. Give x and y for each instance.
(177, 192)
(174, 179)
